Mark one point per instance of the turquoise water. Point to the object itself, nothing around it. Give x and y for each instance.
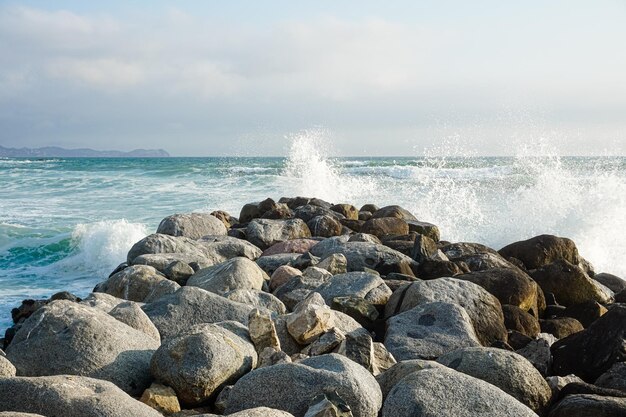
(66, 223)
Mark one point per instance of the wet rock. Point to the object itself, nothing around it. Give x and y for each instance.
(295, 385)
(233, 274)
(561, 327)
(324, 226)
(188, 306)
(483, 308)
(26, 309)
(427, 393)
(591, 352)
(542, 250)
(429, 330)
(570, 284)
(161, 398)
(138, 283)
(73, 339)
(508, 371)
(386, 226)
(346, 210)
(586, 313)
(69, 396)
(255, 210)
(264, 233)
(191, 225)
(589, 405)
(436, 268)
(198, 362)
(425, 229)
(614, 378)
(519, 320)
(393, 211)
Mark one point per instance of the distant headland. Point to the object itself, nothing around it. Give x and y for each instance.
(57, 152)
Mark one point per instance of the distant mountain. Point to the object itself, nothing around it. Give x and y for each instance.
(56, 152)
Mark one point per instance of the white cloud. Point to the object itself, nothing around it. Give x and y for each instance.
(102, 72)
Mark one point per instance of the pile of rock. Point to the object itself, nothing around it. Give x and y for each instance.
(304, 308)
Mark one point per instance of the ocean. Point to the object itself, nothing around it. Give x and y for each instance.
(65, 224)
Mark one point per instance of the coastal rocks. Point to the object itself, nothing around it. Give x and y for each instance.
(483, 308)
(570, 284)
(393, 211)
(612, 282)
(69, 338)
(161, 398)
(310, 319)
(257, 299)
(346, 210)
(584, 405)
(561, 327)
(262, 331)
(281, 275)
(324, 226)
(424, 228)
(202, 359)
(266, 232)
(295, 385)
(443, 392)
(591, 352)
(614, 378)
(138, 283)
(69, 396)
(428, 331)
(519, 320)
(192, 225)
(385, 226)
(233, 274)
(290, 246)
(174, 313)
(356, 284)
(7, 370)
(506, 370)
(132, 315)
(388, 379)
(542, 250)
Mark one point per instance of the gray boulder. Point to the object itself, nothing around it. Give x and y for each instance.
(614, 378)
(69, 396)
(233, 274)
(258, 299)
(388, 379)
(442, 392)
(188, 306)
(586, 405)
(101, 301)
(197, 363)
(294, 385)
(192, 225)
(266, 232)
(131, 314)
(483, 308)
(506, 370)
(66, 338)
(138, 283)
(357, 284)
(429, 330)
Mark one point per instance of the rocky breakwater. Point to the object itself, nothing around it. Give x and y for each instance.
(300, 307)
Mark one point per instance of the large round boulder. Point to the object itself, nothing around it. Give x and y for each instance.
(176, 312)
(233, 274)
(192, 225)
(443, 392)
(197, 363)
(393, 211)
(69, 396)
(587, 405)
(542, 250)
(506, 370)
(385, 226)
(358, 284)
(483, 308)
(140, 283)
(324, 226)
(294, 385)
(66, 338)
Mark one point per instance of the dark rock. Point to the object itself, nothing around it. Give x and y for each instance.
(586, 313)
(324, 226)
(561, 327)
(423, 248)
(365, 215)
(354, 225)
(591, 352)
(358, 308)
(372, 208)
(612, 282)
(460, 250)
(393, 211)
(385, 226)
(614, 378)
(279, 211)
(26, 309)
(434, 268)
(225, 218)
(586, 405)
(542, 250)
(294, 202)
(519, 320)
(309, 211)
(346, 210)
(425, 229)
(518, 340)
(401, 246)
(271, 263)
(576, 388)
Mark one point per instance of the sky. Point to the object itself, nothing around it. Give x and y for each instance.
(206, 77)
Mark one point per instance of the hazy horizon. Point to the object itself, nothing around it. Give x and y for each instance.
(209, 79)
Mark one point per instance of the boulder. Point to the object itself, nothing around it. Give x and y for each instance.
(335, 264)
(233, 274)
(262, 330)
(364, 237)
(388, 379)
(161, 261)
(393, 211)
(324, 226)
(290, 246)
(356, 284)
(542, 250)
(7, 370)
(310, 319)
(614, 378)
(280, 211)
(188, 306)
(585, 405)
(198, 362)
(258, 299)
(509, 285)
(364, 255)
(386, 226)
(612, 282)
(266, 232)
(192, 225)
(256, 412)
(443, 392)
(131, 314)
(428, 331)
(281, 275)
(459, 250)
(271, 263)
(561, 327)
(424, 229)
(506, 370)
(570, 284)
(140, 283)
(101, 301)
(483, 308)
(179, 271)
(225, 218)
(73, 339)
(309, 211)
(438, 268)
(519, 320)
(586, 313)
(359, 347)
(69, 396)
(538, 353)
(161, 398)
(591, 352)
(423, 248)
(294, 385)
(346, 210)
